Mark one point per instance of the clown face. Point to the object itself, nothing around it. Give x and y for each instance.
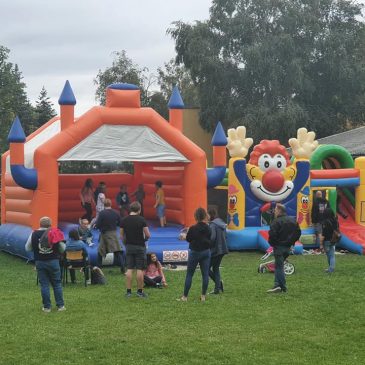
(270, 172)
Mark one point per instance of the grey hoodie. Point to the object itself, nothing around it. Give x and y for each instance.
(218, 237)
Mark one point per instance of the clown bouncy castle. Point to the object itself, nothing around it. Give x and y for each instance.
(270, 176)
(122, 130)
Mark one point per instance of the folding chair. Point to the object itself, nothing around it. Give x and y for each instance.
(75, 260)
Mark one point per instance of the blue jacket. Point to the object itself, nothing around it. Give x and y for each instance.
(72, 245)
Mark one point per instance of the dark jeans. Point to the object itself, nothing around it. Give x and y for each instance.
(118, 258)
(49, 272)
(281, 253)
(203, 259)
(214, 272)
(152, 282)
(88, 212)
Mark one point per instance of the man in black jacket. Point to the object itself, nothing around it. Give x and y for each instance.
(284, 232)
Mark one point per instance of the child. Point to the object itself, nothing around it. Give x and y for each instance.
(122, 200)
(153, 275)
(87, 199)
(160, 203)
(99, 201)
(85, 233)
(75, 244)
(139, 194)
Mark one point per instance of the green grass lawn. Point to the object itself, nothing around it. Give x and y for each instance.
(321, 320)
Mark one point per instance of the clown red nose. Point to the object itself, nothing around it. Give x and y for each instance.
(273, 180)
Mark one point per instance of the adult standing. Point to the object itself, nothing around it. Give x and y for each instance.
(107, 222)
(87, 199)
(319, 205)
(198, 237)
(135, 233)
(329, 224)
(47, 262)
(284, 232)
(218, 249)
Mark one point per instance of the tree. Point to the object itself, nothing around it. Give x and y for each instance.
(44, 109)
(276, 65)
(173, 74)
(13, 99)
(124, 70)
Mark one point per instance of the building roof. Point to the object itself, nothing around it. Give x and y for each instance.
(353, 140)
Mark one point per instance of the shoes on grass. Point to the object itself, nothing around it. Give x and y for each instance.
(275, 289)
(61, 309)
(46, 310)
(128, 295)
(214, 292)
(182, 299)
(142, 294)
(329, 271)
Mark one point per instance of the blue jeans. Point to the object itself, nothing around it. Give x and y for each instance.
(329, 249)
(49, 272)
(203, 259)
(281, 253)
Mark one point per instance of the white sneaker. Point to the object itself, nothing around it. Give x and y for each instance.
(61, 309)
(275, 289)
(46, 310)
(88, 282)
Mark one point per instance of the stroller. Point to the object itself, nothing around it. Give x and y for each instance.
(269, 266)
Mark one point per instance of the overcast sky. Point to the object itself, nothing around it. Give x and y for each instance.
(54, 41)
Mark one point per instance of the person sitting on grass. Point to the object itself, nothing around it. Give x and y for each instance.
(75, 244)
(153, 275)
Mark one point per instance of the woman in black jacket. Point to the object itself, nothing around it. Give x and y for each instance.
(198, 237)
(329, 224)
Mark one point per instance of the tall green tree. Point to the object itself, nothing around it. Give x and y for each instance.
(123, 69)
(276, 65)
(44, 110)
(176, 74)
(13, 99)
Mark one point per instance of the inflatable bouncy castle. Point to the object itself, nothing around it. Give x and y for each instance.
(122, 130)
(271, 176)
